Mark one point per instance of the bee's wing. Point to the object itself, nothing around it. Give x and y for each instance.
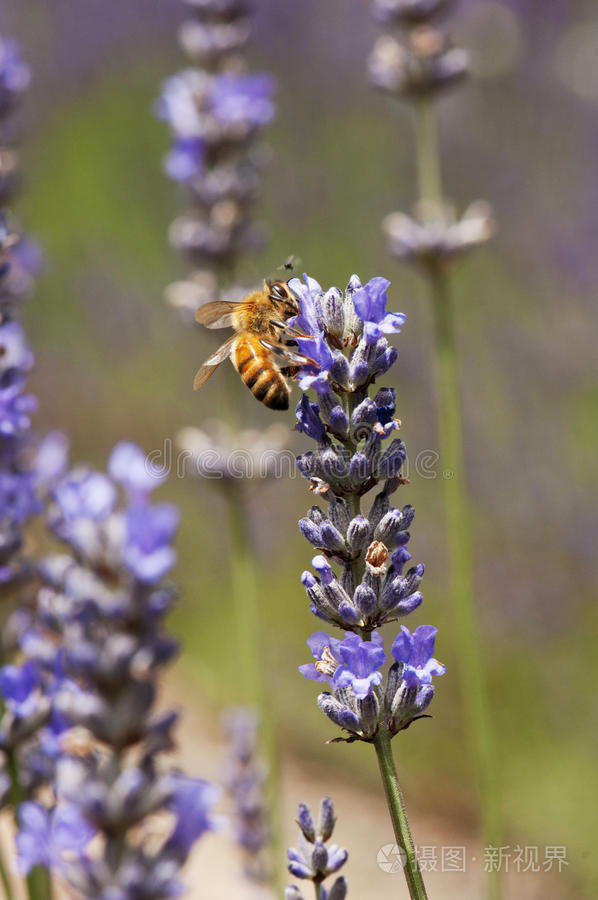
(211, 364)
(288, 354)
(217, 314)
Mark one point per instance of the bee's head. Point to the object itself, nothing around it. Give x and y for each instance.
(282, 297)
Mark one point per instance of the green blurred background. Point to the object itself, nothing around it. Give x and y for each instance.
(113, 361)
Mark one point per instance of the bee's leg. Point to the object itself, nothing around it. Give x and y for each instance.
(290, 371)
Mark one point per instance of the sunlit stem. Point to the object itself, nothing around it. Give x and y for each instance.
(398, 815)
(457, 514)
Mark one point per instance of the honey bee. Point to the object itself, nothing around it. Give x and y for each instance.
(261, 341)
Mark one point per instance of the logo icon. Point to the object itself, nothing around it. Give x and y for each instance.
(391, 858)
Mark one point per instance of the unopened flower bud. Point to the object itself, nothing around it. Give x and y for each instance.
(326, 820)
(358, 534)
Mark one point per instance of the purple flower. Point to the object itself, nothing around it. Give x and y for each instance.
(415, 652)
(370, 306)
(318, 643)
(18, 686)
(349, 663)
(14, 73)
(310, 321)
(84, 494)
(15, 406)
(360, 664)
(179, 103)
(14, 350)
(45, 835)
(51, 459)
(149, 533)
(242, 99)
(308, 419)
(192, 802)
(185, 159)
(17, 497)
(129, 465)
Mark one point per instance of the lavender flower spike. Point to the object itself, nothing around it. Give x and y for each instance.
(216, 112)
(359, 582)
(313, 860)
(99, 627)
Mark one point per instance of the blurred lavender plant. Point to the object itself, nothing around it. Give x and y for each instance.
(19, 261)
(99, 629)
(216, 111)
(358, 452)
(245, 778)
(414, 61)
(313, 860)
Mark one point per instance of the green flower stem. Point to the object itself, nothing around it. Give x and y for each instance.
(428, 158)
(458, 527)
(251, 655)
(398, 815)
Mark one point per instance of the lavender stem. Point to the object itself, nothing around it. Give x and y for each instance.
(458, 527)
(398, 815)
(428, 157)
(249, 628)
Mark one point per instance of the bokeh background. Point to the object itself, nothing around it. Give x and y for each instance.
(113, 361)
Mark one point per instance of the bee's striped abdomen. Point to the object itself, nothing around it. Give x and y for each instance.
(253, 363)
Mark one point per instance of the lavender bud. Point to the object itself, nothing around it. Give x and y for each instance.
(324, 570)
(385, 400)
(332, 538)
(380, 507)
(337, 857)
(363, 418)
(393, 523)
(359, 470)
(338, 713)
(368, 711)
(308, 465)
(333, 312)
(347, 580)
(365, 600)
(385, 361)
(391, 461)
(393, 683)
(326, 820)
(358, 534)
(338, 891)
(339, 370)
(407, 605)
(340, 514)
(316, 515)
(337, 595)
(293, 892)
(338, 422)
(306, 823)
(349, 615)
(334, 466)
(319, 859)
(311, 532)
